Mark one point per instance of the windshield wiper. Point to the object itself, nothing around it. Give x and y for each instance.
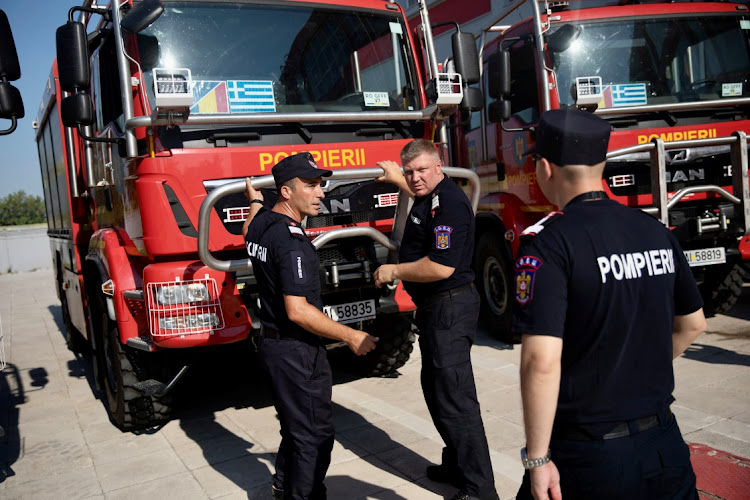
(220, 139)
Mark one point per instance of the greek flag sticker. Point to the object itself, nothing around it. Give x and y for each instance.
(251, 96)
(628, 94)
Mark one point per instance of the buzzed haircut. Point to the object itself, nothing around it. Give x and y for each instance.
(418, 147)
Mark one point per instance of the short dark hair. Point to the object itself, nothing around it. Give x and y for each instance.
(289, 184)
(418, 147)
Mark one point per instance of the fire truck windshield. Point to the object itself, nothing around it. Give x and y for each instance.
(659, 61)
(261, 58)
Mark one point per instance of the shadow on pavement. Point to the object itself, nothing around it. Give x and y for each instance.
(717, 355)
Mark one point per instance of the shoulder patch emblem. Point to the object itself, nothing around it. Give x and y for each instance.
(443, 237)
(526, 268)
(538, 227)
(295, 230)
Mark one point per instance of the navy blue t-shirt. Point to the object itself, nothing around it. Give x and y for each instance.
(284, 263)
(440, 226)
(608, 280)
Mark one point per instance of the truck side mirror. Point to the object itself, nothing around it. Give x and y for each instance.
(498, 111)
(73, 57)
(142, 16)
(498, 74)
(466, 57)
(473, 99)
(11, 104)
(77, 109)
(9, 67)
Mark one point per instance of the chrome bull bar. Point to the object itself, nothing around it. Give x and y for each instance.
(399, 221)
(657, 148)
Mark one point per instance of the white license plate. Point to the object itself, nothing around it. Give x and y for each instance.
(706, 256)
(351, 312)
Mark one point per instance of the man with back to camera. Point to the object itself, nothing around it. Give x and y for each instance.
(292, 323)
(435, 266)
(605, 301)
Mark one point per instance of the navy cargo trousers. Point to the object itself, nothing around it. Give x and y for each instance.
(302, 388)
(447, 327)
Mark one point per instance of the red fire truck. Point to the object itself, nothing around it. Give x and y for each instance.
(153, 115)
(673, 80)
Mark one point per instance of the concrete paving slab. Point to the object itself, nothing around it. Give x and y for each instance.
(247, 474)
(181, 486)
(214, 451)
(412, 461)
(691, 420)
(359, 479)
(139, 469)
(126, 446)
(731, 428)
(80, 483)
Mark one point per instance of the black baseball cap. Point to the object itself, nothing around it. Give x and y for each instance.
(571, 137)
(301, 165)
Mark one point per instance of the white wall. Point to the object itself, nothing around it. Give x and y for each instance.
(24, 248)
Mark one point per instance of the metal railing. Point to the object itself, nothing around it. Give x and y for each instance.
(205, 214)
(657, 149)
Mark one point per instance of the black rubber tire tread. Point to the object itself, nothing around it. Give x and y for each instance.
(721, 288)
(129, 409)
(490, 246)
(393, 349)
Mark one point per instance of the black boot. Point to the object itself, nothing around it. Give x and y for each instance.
(277, 493)
(463, 495)
(445, 474)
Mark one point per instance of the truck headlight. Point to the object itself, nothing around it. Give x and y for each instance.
(206, 320)
(182, 294)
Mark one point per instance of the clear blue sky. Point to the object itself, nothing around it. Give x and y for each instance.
(33, 23)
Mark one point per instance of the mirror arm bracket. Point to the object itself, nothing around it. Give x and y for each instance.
(14, 123)
(112, 140)
(102, 11)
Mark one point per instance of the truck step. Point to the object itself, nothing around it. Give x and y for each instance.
(150, 387)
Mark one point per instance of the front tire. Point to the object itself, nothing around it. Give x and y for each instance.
(393, 349)
(118, 368)
(721, 288)
(493, 279)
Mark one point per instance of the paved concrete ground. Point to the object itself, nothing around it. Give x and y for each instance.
(59, 443)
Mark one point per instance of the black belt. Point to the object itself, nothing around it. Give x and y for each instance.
(272, 333)
(446, 293)
(614, 430)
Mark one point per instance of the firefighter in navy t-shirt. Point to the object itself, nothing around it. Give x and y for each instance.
(286, 267)
(435, 266)
(604, 301)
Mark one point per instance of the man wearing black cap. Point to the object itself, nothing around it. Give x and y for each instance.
(292, 323)
(605, 301)
(435, 267)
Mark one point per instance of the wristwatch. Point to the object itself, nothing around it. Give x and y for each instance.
(533, 463)
(256, 201)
